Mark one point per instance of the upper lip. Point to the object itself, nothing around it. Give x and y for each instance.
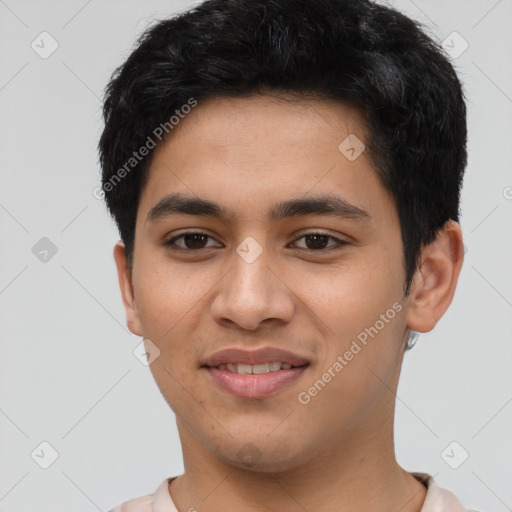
(255, 356)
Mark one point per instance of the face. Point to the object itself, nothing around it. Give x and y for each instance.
(268, 266)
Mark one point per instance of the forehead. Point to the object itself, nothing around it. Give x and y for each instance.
(285, 114)
(241, 152)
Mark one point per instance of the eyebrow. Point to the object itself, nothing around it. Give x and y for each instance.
(327, 205)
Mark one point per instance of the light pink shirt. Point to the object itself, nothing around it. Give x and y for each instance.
(436, 500)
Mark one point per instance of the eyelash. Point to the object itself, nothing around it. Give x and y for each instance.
(170, 243)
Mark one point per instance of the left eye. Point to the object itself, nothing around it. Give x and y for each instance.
(319, 240)
(195, 241)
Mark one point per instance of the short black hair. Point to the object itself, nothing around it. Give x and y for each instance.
(356, 51)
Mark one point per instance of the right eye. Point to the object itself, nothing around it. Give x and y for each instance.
(192, 241)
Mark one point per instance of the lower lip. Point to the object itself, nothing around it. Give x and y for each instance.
(252, 385)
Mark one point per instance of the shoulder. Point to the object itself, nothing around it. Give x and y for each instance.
(160, 501)
(142, 504)
(439, 499)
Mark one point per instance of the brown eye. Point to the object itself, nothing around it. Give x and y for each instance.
(195, 241)
(192, 241)
(319, 241)
(316, 241)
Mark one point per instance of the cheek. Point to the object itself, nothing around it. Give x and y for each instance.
(349, 296)
(167, 295)
(362, 310)
(357, 372)
(170, 304)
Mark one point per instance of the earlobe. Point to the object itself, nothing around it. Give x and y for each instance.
(126, 287)
(435, 280)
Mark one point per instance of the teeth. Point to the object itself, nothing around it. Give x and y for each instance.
(256, 369)
(245, 368)
(260, 368)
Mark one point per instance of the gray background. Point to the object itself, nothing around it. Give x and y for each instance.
(68, 375)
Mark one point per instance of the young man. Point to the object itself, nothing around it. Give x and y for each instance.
(285, 176)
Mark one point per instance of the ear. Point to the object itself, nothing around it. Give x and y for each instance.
(126, 286)
(434, 282)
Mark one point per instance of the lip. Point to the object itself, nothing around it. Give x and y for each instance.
(252, 385)
(255, 356)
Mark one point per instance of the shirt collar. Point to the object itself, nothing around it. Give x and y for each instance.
(438, 499)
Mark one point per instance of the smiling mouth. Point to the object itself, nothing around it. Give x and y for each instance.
(256, 369)
(255, 381)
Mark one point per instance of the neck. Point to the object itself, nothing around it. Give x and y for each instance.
(346, 476)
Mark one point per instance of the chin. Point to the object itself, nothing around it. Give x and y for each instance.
(264, 457)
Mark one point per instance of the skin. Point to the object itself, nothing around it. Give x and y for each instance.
(336, 452)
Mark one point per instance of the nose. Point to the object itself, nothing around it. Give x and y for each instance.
(252, 294)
